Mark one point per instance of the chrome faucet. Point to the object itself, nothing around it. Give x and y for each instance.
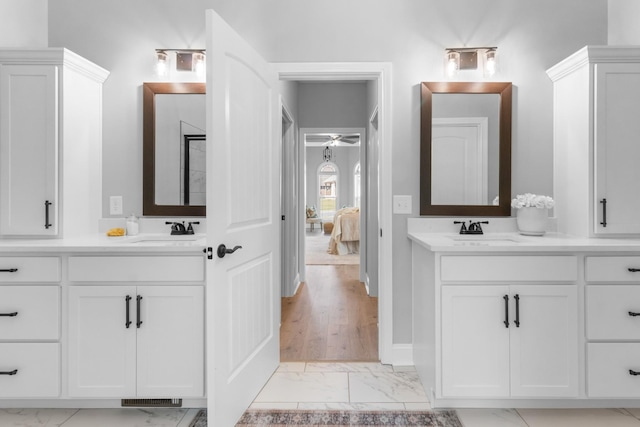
(177, 228)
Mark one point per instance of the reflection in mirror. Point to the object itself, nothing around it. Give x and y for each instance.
(465, 149)
(174, 150)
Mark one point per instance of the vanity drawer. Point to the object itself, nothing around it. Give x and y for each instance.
(608, 368)
(136, 269)
(29, 312)
(37, 366)
(508, 268)
(29, 269)
(612, 269)
(608, 308)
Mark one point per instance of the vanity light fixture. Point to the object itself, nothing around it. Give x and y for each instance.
(466, 58)
(186, 60)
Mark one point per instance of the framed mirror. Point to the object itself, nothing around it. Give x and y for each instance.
(174, 149)
(465, 149)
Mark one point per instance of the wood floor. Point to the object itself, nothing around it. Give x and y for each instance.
(330, 318)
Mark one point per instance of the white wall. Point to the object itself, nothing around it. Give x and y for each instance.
(624, 22)
(23, 23)
(531, 36)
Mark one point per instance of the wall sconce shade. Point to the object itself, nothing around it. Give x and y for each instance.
(186, 60)
(466, 58)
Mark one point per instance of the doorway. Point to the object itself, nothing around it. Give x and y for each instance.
(379, 73)
(331, 316)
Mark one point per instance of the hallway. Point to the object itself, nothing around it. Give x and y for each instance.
(330, 318)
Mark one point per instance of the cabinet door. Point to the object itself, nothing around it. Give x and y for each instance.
(475, 341)
(544, 341)
(28, 150)
(102, 349)
(171, 341)
(617, 148)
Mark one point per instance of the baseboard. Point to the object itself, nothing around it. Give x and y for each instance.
(402, 355)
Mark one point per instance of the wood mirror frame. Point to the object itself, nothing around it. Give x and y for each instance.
(503, 89)
(149, 206)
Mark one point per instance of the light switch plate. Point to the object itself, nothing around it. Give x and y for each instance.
(402, 204)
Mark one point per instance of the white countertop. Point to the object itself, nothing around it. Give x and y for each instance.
(102, 243)
(515, 242)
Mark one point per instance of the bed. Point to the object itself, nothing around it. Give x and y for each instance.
(345, 236)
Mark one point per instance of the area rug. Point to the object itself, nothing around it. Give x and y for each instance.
(316, 245)
(282, 418)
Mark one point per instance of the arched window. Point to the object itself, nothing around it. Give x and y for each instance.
(327, 190)
(356, 185)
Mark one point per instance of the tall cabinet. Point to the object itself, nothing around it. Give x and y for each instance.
(597, 141)
(50, 143)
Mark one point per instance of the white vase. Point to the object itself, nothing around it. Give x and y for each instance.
(532, 221)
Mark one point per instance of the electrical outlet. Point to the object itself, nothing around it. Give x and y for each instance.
(115, 205)
(401, 204)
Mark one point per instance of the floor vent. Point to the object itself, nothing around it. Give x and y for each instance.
(152, 403)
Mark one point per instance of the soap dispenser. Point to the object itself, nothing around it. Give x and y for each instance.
(132, 225)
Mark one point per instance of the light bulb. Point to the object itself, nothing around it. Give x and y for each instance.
(162, 68)
(453, 63)
(490, 63)
(200, 65)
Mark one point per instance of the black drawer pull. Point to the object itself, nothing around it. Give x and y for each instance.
(632, 314)
(8, 270)
(47, 224)
(506, 310)
(604, 212)
(633, 270)
(14, 314)
(633, 373)
(15, 371)
(517, 321)
(138, 321)
(126, 302)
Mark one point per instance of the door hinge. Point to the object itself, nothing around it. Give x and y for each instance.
(209, 251)
(381, 232)
(283, 217)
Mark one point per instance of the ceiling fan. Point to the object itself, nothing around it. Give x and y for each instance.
(332, 138)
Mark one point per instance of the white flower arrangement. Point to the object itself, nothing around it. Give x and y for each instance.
(532, 200)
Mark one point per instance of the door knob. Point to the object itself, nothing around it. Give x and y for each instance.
(222, 250)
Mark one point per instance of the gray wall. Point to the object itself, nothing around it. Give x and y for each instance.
(623, 22)
(531, 36)
(24, 23)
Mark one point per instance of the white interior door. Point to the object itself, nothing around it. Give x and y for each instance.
(460, 156)
(243, 190)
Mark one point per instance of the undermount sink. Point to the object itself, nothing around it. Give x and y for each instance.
(164, 238)
(485, 239)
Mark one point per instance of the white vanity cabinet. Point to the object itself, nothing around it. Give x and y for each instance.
(136, 326)
(509, 341)
(50, 115)
(596, 154)
(30, 316)
(509, 331)
(613, 326)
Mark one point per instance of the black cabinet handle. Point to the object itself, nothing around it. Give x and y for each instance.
(604, 212)
(633, 270)
(8, 270)
(517, 321)
(138, 321)
(46, 213)
(506, 311)
(14, 314)
(126, 301)
(634, 373)
(15, 371)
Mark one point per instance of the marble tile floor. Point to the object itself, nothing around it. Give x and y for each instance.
(346, 386)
